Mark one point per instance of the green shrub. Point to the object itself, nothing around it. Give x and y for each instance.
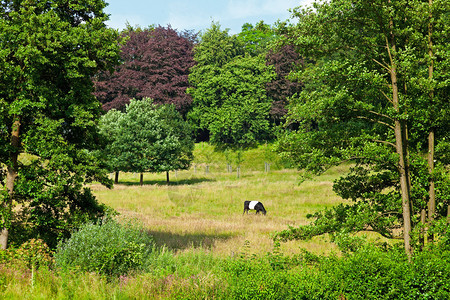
(31, 254)
(368, 273)
(110, 248)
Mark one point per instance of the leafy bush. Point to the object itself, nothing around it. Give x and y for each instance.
(368, 273)
(109, 248)
(33, 253)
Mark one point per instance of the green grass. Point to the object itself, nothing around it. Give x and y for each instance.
(205, 210)
(197, 224)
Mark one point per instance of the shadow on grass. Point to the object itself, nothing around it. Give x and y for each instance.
(190, 181)
(175, 241)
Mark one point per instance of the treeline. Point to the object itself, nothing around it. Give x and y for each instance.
(232, 89)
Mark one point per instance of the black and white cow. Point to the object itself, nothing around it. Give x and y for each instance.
(256, 205)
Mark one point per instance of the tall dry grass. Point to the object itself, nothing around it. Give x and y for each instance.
(204, 210)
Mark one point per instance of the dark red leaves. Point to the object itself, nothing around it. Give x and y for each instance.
(156, 64)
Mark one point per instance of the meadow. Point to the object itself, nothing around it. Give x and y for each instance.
(205, 248)
(205, 210)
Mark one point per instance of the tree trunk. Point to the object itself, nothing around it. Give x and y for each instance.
(141, 179)
(10, 180)
(116, 177)
(432, 191)
(448, 213)
(401, 147)
(431, 139)
(404, 185)
(167, 178)
(401, 140)
(423, 221)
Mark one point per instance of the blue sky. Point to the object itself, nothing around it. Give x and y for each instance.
(198, 14)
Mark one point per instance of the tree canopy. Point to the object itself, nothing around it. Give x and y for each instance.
(48, 130)
(369, 98)
(155, 64)
(148, 138)
(228, 89)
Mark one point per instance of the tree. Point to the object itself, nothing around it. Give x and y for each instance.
(285, 60)
(110, 130)
(48, 131)
(234, 105)
(363, 95)
(431, 91)
(155, 64)
(152, 138)
(256, 39)
(228, 91)
(262, 39)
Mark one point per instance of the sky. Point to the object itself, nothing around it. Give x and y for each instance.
(197, 15)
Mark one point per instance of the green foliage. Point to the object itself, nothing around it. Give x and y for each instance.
(147, 138)
(110, 130)
(231, 103)
(109, 248)
(256, 39)
(215, 49)
(32, 254)
(229, 92)
(46, 214)
(346, 110)
(370, 272)
(50, 52)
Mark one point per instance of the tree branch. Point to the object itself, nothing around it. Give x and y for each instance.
(381, 64)
(376, 113)
(376, 121)
(386, 96)
(385, 142)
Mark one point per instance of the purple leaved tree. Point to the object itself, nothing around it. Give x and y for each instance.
(284, 60)
(155, 64)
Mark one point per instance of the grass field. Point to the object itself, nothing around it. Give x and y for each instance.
(207, 249)
(204, 210)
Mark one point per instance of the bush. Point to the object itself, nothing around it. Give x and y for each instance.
(368, 273)
(31, 254)
(110, 248)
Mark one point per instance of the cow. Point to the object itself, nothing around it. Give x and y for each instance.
(256, 205)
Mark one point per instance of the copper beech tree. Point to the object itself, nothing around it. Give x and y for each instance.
(155, 64)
